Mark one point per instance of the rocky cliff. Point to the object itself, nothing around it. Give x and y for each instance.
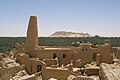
(69, 34)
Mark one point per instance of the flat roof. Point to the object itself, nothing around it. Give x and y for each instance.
(57, 48)
(54, 48)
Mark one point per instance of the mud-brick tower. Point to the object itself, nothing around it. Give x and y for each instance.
(32, 36)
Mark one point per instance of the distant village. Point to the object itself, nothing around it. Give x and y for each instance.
(30, 61)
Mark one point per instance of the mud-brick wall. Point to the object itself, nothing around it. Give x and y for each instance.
(55, 73)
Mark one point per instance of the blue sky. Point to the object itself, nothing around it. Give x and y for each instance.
(100, 17)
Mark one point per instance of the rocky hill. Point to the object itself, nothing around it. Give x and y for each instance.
(69, 34)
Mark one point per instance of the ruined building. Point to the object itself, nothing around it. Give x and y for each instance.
(61, 62)
(58, 56)
(85, 51)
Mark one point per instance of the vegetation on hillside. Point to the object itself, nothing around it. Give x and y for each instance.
(8, 43)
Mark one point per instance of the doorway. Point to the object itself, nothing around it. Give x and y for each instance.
(94, 56)
(39, 68)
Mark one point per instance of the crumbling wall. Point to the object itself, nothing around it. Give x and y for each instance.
(118, 53)
(32, 65)
(114, 51)
(84, 55)
(22, 75)
(64, 55)
(50, 62)
(57, 73)
(85, 78)
(91, 69)
(109, 72)
(7, 73)
(19, 47)
(105, 54)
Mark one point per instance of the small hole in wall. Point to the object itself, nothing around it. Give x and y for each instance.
(63, 55)
(83, 49)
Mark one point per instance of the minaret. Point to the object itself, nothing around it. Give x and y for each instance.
(32, 36)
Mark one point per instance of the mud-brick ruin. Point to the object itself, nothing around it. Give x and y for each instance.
(30, 61)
